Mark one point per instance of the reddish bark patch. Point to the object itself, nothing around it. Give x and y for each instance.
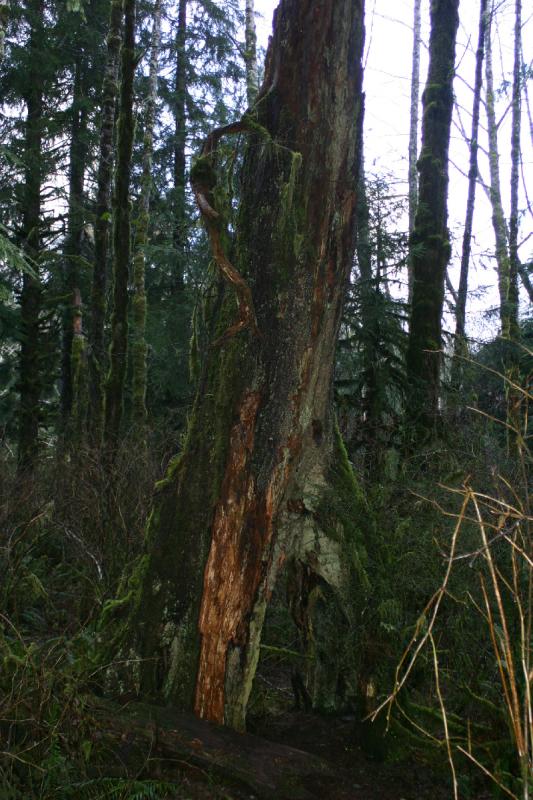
(230, 577)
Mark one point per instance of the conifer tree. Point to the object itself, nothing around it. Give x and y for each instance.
(98, 308)
(138, 356)
(114, 397)
(31, 295)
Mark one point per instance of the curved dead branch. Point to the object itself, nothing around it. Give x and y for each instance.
(202, 183)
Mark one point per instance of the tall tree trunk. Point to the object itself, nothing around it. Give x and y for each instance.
(180, 139)
(138, 357)
(498, 216)
(97, 361)
(30, 299)
(72, 252)
(413, 130)
(460, 347)
(250, 54)
(430, 240)
(4, 18)
(514, 397)
(263, 477)
(114, 398)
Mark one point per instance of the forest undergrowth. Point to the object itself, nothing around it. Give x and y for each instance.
(443, 646)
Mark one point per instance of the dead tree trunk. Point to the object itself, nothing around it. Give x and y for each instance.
(263, 477)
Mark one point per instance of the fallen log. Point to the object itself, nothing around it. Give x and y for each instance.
(159, 743)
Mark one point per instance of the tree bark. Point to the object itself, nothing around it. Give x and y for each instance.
(114, 398)
(4, 18)
(413, 130)
(460, 347)
(430, 242)
(30, 299)
(250, 54)
(138, 356)
(514, 397)
(498, 216)
(252, 488)
(180, 140)
(97, 361)
(72, 252)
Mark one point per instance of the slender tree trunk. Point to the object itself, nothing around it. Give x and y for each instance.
(498, 217)
(515, 175)
(114, 398)
(72, 253)
(413, 129)
(30, 299)
(460, 346)
(263, 478)
(250, 54)
(138, 357)
(4, 19)
(97, 361)
(430, 244)
(180, 139)
(514, 397)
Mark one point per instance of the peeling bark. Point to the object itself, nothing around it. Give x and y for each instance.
(256, 470)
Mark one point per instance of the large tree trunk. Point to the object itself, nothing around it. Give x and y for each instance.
(430, 241)
(97, 362)
(263, 477)
(30, 299)
(114, 397)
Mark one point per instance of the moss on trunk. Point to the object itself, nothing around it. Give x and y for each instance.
(430, 246)
(262, 426)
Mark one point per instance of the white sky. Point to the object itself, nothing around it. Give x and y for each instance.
(387, 87)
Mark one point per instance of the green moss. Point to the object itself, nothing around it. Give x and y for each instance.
(203, 172)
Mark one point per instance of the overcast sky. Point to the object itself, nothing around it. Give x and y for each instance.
(387, 87)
